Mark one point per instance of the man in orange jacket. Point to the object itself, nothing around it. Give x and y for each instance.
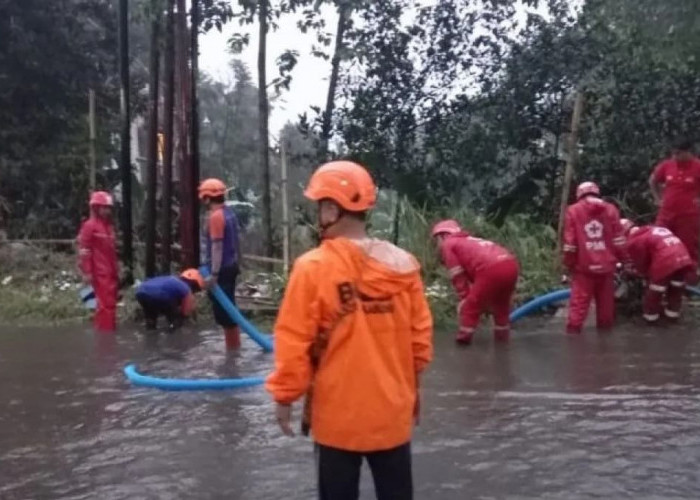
(98, 260)
(354, 332)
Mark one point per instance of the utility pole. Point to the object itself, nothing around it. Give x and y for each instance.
(125, 166)
(152, 160)
(168, 110)
(194, 124)
(285, 209)
(570, 163)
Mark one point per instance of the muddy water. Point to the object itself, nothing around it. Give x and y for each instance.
(614, 416)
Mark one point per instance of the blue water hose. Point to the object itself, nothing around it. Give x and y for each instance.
(176, 384)
(539, 303)
(693, 289)
(261, 339)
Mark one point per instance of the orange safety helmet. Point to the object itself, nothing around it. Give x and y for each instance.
(586, 188)
(101, 198)
(193, 275)
(448, 226)
(346, 183)
(211, 188)
(627, 225)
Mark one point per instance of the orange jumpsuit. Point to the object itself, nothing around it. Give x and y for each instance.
(364, 299)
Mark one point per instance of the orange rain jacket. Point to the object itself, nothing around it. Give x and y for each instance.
(367, 296)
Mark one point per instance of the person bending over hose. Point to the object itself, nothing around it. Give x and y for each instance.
(593, 245)
(679, 207)
(222, 254)
(169, 296)
(353, 333)
(663, 261)
(484, 276)
(98, 263)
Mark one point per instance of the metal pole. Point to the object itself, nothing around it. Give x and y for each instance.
(570, 163)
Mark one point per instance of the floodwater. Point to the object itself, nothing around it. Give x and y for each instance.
(600, 416)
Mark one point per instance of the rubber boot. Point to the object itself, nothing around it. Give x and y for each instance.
(233, 338)
(464, 336)
(573, 330)
(501, 334)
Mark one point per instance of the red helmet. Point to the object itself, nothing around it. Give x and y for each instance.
(586, 188)
(346, 183)
(212, 188)
(448, 226)
(627, 225)
(101, 198)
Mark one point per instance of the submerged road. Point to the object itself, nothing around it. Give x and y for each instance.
(600, 416)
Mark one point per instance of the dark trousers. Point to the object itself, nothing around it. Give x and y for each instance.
(152, 308)
(339, 473)
(227, 282)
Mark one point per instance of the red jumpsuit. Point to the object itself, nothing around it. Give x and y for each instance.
(680, 211)
(593, 244)
(484, 275)
(663, 260)
(98, 259)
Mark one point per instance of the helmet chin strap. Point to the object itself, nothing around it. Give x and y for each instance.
(323, 228)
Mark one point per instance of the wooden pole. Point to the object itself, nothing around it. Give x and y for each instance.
(168, 111)
(570, 163)
(125, 167)
(285, 209)
(93, 138)
(152, 160)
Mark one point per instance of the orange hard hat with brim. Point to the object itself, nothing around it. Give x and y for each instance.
(212, 188)
(101, 198)
(193, 275)
(346, 183)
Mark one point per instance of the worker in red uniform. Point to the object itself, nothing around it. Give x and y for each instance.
(661, 258)
(484, 276)
(593, 245)
(222, 255)
(98, 260)
(679, 208)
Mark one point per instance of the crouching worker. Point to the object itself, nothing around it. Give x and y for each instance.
(664, 262)
(593, 245)
(484, 276)
(354, 333)
(169, 296)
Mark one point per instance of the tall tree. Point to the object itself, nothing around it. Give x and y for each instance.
(344, 12)
(263, 111)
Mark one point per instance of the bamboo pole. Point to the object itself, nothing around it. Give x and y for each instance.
(285, 209)
(570, 163)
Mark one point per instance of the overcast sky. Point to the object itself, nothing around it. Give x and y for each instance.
(309, 79)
